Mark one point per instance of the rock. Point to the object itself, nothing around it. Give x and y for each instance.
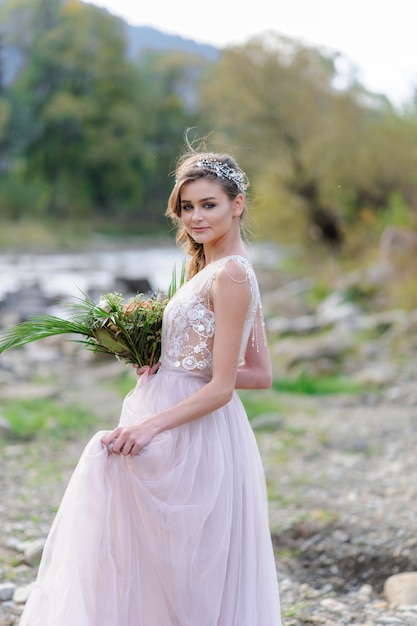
(401, 588)
(33, 552)
(135, 285)
(335, 308)
(287, 300)
(375, 375)
(334, 606)
(313, 349)
(5, 429)
(28, 390)
(301, 325)
(21, 594)
(397, 242)
(365, 593)
(267, 421)
(6, 591)
(26, 302)
(7, 621)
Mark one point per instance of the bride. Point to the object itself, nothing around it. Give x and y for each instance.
(165, 519)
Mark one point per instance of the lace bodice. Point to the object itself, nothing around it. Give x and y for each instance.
(189, 323)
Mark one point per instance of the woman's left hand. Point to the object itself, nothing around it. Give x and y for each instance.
(142, 370)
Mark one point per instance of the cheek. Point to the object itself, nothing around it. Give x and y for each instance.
(185, 218)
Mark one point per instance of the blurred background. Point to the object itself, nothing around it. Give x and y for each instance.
(95, 102)
(93, 112)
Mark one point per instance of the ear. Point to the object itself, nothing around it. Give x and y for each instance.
(238, 205)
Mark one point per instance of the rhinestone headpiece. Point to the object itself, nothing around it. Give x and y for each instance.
(222, 170)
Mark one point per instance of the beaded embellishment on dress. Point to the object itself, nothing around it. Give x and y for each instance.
(191, 331)
(190, 321)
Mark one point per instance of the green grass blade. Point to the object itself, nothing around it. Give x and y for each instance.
(40, 327)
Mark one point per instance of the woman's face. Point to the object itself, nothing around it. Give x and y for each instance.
(207, 212)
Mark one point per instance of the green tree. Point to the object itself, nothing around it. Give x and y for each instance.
(97, 132)
(317, 154)
(170, 82)
(80, 97)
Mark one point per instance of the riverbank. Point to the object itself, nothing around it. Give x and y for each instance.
(342, 485)
(340, 467)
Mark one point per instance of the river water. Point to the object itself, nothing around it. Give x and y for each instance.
(66, 274)
(38, 284)
(96, 270)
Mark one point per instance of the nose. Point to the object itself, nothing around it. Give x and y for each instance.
(197, 215)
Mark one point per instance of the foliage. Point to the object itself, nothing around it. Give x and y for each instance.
(319, 156)
(123, 383)
(83, 122)
(29, 417)
(316, 386)
(89, 136)
(258, 403)
(130, 332)
(396, 213)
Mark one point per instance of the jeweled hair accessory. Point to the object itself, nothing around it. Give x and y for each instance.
(222, 170)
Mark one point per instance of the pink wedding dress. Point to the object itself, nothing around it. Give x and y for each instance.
(177, 535)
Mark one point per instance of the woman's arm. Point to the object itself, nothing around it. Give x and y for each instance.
(231, 296)
(256, 371)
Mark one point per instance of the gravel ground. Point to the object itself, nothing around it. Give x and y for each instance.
(342, 483)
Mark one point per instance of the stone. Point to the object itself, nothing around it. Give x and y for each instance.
(377, 374)
(398, 243)
(33, 552)
(21, 594)
(365, 593)
(268, 421)
(334, 606)
(335, 308)
(6, 591)
(401, 588)
(5, 429)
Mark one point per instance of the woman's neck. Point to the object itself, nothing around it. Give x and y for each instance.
(225, 247)
(213, 256)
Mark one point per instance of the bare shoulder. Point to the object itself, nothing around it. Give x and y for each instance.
(232, 283)
(235, 270)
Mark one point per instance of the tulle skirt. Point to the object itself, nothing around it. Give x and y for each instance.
(175, 536)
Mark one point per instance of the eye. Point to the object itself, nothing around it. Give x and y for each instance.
(186, 207)
(209, 205)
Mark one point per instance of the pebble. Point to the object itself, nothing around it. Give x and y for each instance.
(21, 594)
(6, 591)
(402, 588)
(333, 605)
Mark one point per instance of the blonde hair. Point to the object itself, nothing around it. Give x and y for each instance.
(221, 168)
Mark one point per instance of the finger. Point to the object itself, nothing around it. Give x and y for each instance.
(118, 446)
(126, 448)
(110, 437)
(136, 449)
(123, 443)
(142, 370)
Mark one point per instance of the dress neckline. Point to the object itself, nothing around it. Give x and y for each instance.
(227, 257)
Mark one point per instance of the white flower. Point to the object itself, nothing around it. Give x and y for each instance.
(104, 304)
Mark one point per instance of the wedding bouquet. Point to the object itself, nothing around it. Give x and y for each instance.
(130, 331)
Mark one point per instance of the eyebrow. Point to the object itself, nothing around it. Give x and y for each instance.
(201, 199)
